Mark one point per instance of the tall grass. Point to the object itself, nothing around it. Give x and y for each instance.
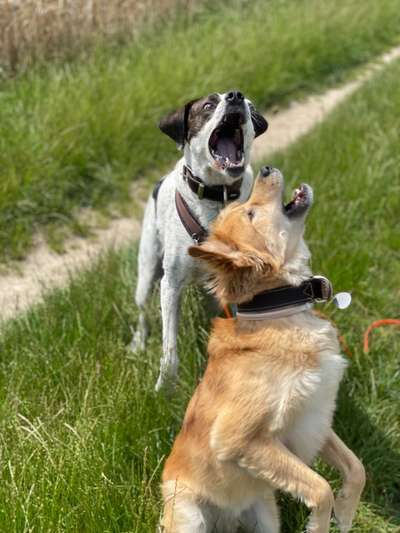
(31, 31)
(83, 435)
(78, 135)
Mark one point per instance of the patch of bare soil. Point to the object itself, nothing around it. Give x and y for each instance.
(45, 269)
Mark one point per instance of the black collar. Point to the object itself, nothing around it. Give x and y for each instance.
(287, 299)
(217, 193)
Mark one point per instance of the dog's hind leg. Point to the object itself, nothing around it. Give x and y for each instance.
(262, 517)
(149, 270)
(337, 454)
(182, 513)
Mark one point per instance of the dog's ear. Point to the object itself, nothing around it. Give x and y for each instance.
(260, 125)
(221, 256)
(217, 254)
(175, 124)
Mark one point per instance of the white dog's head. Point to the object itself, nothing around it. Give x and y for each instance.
(216, 132)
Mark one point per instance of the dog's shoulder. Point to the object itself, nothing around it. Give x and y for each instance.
(279, 343)
(282, 365)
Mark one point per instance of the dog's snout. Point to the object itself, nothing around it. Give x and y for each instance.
(234, 97)
(271, 178)
(266, 171)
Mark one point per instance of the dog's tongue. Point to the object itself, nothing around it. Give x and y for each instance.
(227, 148)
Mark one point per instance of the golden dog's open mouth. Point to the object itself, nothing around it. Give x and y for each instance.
(301, 201)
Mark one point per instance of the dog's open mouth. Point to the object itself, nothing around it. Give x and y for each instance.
(300, 202)
(226, 146)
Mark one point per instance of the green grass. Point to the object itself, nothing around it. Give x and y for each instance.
(83, 435)
(78, 134)
(82, 432)
(353, 162)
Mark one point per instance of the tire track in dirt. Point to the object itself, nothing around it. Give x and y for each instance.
(288, 125)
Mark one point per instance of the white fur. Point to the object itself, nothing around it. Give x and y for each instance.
(193, 516)
(164, 240)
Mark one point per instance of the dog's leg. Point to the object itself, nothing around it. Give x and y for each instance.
(171, 287)
(282, 470)
(185, 517)
(182, 514)
(338, 455)
(149, 268)
(262, 517)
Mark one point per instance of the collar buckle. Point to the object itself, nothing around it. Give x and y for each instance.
(322, 290)
(200, 191)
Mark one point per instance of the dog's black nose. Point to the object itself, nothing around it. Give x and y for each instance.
(266, 171)
(234, 97)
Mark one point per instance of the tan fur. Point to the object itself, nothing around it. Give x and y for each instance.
(264, 408)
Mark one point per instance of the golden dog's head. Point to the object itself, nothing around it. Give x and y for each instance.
(259, 244)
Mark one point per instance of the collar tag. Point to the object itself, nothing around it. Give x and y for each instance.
(342, 300)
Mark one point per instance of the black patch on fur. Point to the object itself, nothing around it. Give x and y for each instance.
(184, 123)
(260, 125)
(198, 115)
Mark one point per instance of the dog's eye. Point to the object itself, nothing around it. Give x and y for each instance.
(251, 213)
(208, 106)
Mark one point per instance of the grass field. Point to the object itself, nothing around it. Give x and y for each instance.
(77, 135)
(83, 435)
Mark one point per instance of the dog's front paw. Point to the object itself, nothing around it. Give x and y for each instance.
(138, 342)
(166, 383)
(168, 374)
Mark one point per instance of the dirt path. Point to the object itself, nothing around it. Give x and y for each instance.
(44, 269)
(286, 126)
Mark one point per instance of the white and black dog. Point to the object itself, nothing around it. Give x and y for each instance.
(216, 133)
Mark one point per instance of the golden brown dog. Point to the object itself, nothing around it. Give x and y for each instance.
(264, 408)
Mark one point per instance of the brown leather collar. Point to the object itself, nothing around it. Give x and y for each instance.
(217, 193)
(189, 221)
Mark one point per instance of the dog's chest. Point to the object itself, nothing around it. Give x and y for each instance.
(312, 398)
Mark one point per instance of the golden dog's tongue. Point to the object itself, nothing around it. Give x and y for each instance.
(227, 148)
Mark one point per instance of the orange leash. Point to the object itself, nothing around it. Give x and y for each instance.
(227, 311)
(345, 346)
(378, 324)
